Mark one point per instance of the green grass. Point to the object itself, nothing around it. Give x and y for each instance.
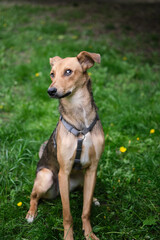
(127, 93)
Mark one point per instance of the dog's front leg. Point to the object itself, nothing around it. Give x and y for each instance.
(89, 184)
(64, 192)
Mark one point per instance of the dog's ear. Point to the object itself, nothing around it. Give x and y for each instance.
(88, 59)
(54, 59)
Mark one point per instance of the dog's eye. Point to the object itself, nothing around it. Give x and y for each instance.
(52, 75)
(68, 72)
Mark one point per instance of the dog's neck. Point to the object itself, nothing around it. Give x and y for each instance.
(79, 109)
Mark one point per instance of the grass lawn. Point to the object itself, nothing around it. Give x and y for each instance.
(126, 89)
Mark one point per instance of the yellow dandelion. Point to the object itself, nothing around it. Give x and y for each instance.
(152, 131)
(104, 217)
(122, 149)
(37, 74)
(19, 204)
(137, 138)
(89, 73)
(124, 58)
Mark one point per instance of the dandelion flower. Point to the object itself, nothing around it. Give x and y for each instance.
(104, 217)
(37, 74)
(123, 149)
(137, 138)
(152, 131)
(89, 73)
(19, 204)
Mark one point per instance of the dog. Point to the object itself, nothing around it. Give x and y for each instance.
(70, 157)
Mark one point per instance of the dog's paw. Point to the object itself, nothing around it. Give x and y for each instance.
(91, 236)
(30, 217)
(96, 202)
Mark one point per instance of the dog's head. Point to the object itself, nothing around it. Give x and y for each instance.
(70, 73)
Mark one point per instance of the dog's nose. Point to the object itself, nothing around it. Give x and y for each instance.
(51, 91)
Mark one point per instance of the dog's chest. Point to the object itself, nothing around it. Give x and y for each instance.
(87, 144)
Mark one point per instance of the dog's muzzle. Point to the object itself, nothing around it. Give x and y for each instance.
(53, 93)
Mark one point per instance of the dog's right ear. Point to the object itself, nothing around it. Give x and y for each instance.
(54, 60)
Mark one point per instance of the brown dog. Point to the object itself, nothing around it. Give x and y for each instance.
(72, 153)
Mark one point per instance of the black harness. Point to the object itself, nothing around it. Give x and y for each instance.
(78, 134)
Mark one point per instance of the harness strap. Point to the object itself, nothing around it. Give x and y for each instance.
(76, 132)
(77, 164)
(89, 129)
(69, 127)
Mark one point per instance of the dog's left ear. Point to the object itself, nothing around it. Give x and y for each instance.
(53, 60)
(88, 59)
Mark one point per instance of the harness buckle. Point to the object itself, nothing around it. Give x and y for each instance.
(82, 137)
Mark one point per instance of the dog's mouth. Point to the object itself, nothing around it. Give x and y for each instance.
(64, 95)
(59, 96)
